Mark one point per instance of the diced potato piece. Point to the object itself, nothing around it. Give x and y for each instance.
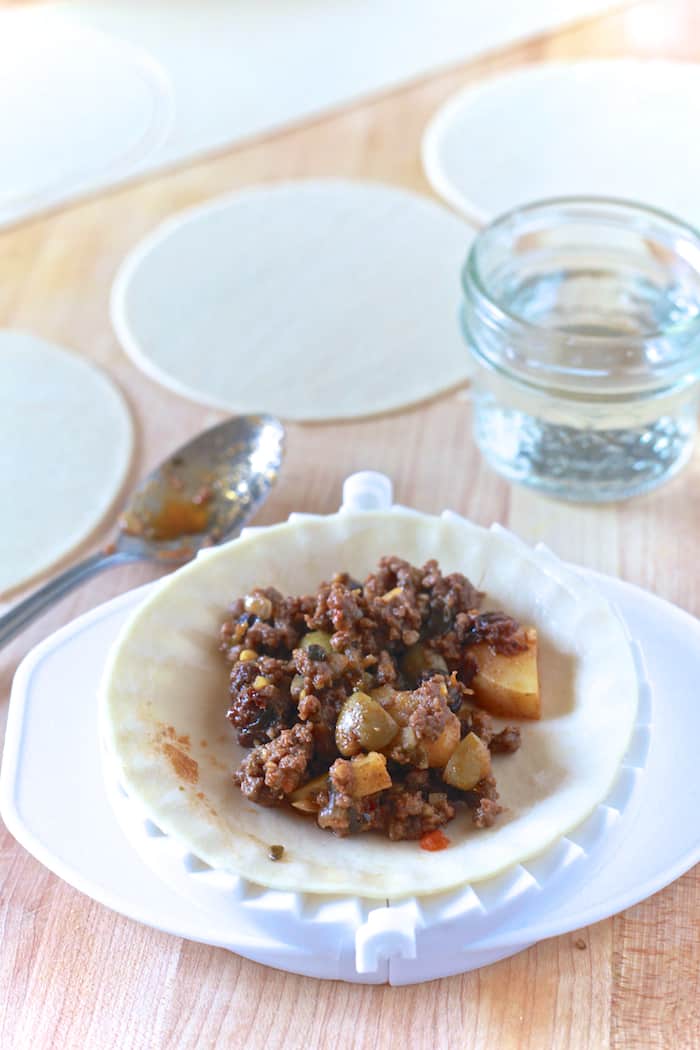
(383, 695)
(363, 725)
(438, 751)
(306, 805)
(469, 763)
(406, 750)
(401, 706)
(319, 638)
(369, 774)
(418, 659)
(303, 798)
(508, 686)
(406, 738)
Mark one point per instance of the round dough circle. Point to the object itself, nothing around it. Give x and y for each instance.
(312, 300)
(65, 447)
(613, 128)
(165, 690)
(58, 141)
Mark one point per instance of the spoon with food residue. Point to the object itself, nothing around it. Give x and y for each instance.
(203, 493)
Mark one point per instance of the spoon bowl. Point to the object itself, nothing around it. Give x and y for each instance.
(204, 492)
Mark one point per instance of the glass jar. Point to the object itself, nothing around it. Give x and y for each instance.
(583, 318)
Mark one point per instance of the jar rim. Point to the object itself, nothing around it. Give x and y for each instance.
(472, 276)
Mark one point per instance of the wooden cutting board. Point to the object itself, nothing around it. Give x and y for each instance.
(74, 975)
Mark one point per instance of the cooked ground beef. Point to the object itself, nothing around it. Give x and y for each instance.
(472, 720)
(483, 803)
(385, 670)
(263, 620)
(486, 812)
(431, 712)
(505, 742)
(399, 641)
(274, 770)
(411, 814)
(404, 811)
(261, 703)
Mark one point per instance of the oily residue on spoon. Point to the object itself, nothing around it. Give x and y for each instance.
(175, 517)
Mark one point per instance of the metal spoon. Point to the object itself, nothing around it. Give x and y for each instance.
(202, 494)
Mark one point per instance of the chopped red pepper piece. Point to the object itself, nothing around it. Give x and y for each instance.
(434, 840)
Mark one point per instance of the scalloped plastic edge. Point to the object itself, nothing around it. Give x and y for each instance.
(314, 922)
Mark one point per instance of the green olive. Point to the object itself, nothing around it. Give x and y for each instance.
(418, 659)
(363, 725)
(469, 763)
(320, 638)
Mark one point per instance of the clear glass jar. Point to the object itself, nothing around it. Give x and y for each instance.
(583, 318)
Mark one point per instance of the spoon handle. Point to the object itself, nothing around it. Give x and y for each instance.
(25, 611)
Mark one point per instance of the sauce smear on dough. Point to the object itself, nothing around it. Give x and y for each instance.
(185, 768)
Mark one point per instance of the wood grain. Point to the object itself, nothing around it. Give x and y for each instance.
(73, 974)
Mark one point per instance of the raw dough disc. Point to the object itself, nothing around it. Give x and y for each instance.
(615, 128)
(164, 694)
(323, 299)
(65, 447)
(79, 109)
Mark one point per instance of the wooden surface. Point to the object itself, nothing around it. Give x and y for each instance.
(73, 974)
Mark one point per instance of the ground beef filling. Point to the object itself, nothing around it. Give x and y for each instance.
(353, 699)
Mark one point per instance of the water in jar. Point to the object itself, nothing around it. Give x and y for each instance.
(611, 411)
